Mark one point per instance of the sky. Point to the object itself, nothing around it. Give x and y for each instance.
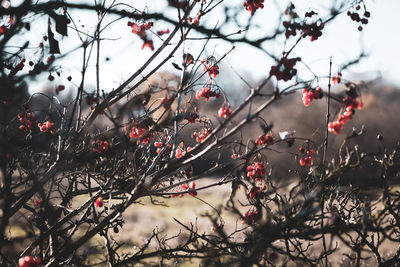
(340, 40)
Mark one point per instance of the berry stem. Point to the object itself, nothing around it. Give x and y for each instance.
(324, 159)
(327, 113)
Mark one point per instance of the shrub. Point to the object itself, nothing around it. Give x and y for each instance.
(72, 165)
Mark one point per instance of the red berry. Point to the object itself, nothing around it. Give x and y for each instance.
(192, 185)
(253, 5)
(29, 261)
(38, 203)
(50, 59)
(262, 140)
(224, 112)
(99, 202)
(256, 171)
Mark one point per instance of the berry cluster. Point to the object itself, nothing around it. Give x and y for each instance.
(47, 126)
(138, 132)
(200, 136)
(337, 79)
(179, 153)
(349, 103)
(100, 146)
(265, 140)
(29, 261)
(224, 112)
(355, 16)
(291, 26)
(311, 28)
(254, 192)
(335, 126)
(249, 216)
(211, 68)
(314, 30)
(256, 171)
(207, 93)
(160, 145)
(285, 69)
(191, 117)
(140, 30)
(310, 94)
(307, 159)
(27, 120)
(253, 5)
(147, 138)
(191, 188)
(15, 69)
